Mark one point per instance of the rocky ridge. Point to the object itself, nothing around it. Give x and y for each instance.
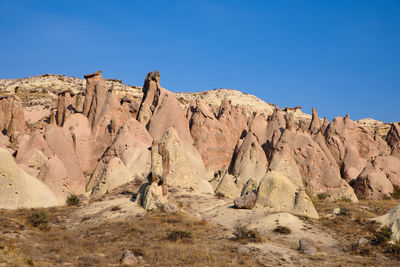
(89, 136)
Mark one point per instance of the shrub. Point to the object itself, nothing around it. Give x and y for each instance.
(73, 200)
(115, 208)
(345, 199)
(322, 196)
(242, 233)
(282, 230)
(29, 262)
(39, 219)
(382, 236)
(396, 192)
(176, 235)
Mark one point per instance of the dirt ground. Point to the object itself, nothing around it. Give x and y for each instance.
(202, 233)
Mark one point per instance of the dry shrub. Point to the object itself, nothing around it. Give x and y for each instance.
(241, 233)
(282, 230)
(176, 235)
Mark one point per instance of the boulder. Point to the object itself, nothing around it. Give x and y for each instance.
(20, 190)
(307, 246)
(247, 201)
(278, 193)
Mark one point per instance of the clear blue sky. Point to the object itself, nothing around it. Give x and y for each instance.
(338, 56)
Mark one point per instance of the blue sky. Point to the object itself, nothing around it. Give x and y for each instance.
(338, 56)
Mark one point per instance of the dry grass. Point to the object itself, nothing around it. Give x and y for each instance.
(161, 239)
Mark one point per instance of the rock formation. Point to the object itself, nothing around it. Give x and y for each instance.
(393, 139)
(279, 194)
(12, 120)
(20, 190)
(93, 138)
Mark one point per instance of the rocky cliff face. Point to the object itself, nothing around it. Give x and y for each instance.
(88, 136)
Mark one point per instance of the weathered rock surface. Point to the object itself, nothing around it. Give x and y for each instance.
(12, 120)
(208, 135)
(391, 220)
(317, 172)
(227, 187)
(277, 192)
(247, 201)
(127, 158)
(307, 246)
(250, 161)
(18, 189)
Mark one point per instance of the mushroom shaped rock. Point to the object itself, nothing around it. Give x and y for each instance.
(278, 193)
(20, 190)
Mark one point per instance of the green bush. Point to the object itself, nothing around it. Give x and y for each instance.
(382, 236)
(396, 192)
(38, 219)
(73, 200)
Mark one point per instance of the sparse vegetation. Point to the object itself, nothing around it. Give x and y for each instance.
(101, 243)
(382, 236)
(345, 199)
(241, 233)
(396, 192)
(29, 262)
(73, 200)
(39, 219)
(282, 230)
(115, 208)
(176, 235)
(322, 196)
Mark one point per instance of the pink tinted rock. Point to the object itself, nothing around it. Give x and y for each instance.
(62, 146)
(372, 184)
